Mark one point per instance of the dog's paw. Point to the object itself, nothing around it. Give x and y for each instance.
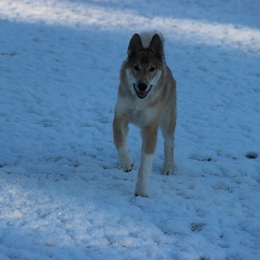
(127, 166)
(125, 159)
(144, 195)
(141, 194)
(168, 170)
(140, 190)
(168, 167)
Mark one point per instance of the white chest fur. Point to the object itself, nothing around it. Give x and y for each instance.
(137, 111)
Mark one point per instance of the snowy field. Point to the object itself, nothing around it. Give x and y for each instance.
(62, 193)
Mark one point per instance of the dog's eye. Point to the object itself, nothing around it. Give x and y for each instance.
(152, 69)
(136, 68)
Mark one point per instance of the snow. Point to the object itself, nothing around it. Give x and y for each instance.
(62, 193)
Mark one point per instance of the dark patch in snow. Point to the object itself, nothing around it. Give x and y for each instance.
(251, 155)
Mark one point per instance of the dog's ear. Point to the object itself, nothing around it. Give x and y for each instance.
(156, 46)
(135, 45)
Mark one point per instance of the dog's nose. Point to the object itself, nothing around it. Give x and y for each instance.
(142, 86)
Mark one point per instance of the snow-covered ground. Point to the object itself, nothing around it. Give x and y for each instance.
(62, 194)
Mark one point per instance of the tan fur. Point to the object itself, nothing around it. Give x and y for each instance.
(145, 68)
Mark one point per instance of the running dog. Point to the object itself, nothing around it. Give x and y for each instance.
(147, 99)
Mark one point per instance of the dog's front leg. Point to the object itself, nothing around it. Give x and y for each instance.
(168, 127)
(120, 130)
(149, 138)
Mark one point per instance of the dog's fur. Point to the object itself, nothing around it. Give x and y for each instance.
(146, 98)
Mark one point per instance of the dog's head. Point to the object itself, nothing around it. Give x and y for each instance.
(144, 64)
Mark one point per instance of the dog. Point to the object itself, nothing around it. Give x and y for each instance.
(146, 98)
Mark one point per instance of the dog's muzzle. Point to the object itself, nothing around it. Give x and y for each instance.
(142, 89)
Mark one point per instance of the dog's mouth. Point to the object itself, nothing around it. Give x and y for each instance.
(142, 93)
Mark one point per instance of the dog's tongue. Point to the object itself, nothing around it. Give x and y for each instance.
(141, 94)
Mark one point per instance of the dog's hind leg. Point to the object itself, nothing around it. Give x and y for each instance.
(149, 137)
(168, 128)
(120, 130)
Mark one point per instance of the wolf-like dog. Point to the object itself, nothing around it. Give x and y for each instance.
(147, 99)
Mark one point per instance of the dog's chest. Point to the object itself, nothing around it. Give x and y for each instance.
(138, 112)
(141, 116)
